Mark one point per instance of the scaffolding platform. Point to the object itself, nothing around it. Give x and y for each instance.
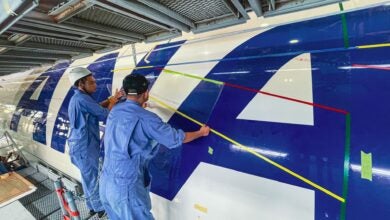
(13, 187)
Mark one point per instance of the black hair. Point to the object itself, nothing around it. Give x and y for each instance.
(135, 84)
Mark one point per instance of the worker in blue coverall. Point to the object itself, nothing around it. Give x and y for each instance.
(84, 139)
(131, 138)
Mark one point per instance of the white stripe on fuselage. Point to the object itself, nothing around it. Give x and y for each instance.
(215, 49)
(247, 196)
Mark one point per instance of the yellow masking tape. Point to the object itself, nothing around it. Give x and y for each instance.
(193, 76)
(366, 160)
(254, 153)
(373, 46)
(200, 208)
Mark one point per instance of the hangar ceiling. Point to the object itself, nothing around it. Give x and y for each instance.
(35, 33)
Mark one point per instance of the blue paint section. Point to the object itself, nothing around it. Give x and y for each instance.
(158, 58)
(369, 26)
(370, 133)
(37, 109)
(316, 152)
(261, 135)
(61, 125)
(102, 73)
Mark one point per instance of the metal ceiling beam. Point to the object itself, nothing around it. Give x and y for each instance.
(150, 13)
(217, 24)
(167, 11)
(46, 27)
(110, 39)
(44, 48)
(40, 18)
(5, 71)
(240, 8)
(18, 65)
(85, 30)
(296, 5)
(32, 55)
(82, 55)
(62, 11)
(256, 7)
(21, 62)
(24, 61)
(84, 23)
(65, 5)
(11, 69)
(272, 5)
(71, 39)
(162, 36)
(58, 33)
(3, 49)
(19, 38)
(21, 30)
(231, 7)
(107, 49)
(112, 9)
(21, 10)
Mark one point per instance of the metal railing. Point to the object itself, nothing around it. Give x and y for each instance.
(7, 143)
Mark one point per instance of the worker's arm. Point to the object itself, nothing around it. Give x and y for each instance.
(190, 136)
(105, 103)
(112, 100)
(109, 102)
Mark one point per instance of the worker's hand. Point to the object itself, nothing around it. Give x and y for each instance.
(119, 93)
(204, 130)
(112, 100)
(115, 98)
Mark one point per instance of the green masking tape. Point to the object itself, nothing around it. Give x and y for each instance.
(366, 160)
(345, 28)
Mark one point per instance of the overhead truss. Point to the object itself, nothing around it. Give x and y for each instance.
(34, 32)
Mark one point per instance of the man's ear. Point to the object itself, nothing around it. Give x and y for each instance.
(80, 83)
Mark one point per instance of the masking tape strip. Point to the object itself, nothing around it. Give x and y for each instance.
(253, 152)
(371, 67)
(366, 160)
(345, 28)
(256, 91)
(200, 208)
(347, 150)
(193, 76)
(373, 46)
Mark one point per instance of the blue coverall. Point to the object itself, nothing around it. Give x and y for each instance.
(131, 138)
(84, 141)
(3, 169)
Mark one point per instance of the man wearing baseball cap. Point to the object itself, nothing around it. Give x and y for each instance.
(132, 135)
